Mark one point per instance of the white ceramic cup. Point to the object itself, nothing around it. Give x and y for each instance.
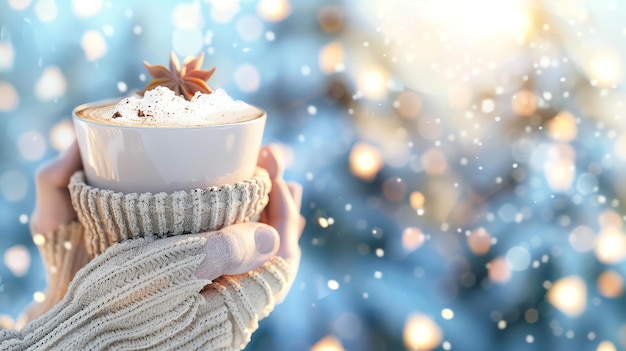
(133, 159)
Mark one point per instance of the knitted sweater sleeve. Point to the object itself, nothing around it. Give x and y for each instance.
(142, 294)
(139, 291)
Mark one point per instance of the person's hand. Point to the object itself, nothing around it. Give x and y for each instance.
(283, 210)
(53, 207)
(178, 292)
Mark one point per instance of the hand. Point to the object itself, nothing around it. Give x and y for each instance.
(53, 207)
(144, 293)
(283, 210)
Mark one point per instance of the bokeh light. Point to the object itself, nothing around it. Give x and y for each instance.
(569, 295)
(9, 99)
(365, 161)
(274, 10)
(51, 85)
(422, 333)
(328, 343)
(462, 162)
(94, 45)
(17, 260)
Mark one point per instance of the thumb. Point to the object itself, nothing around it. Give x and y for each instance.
(237, 249)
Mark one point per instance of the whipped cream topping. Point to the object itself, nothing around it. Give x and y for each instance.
(161, 107)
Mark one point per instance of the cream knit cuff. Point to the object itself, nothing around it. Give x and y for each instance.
(111, 217)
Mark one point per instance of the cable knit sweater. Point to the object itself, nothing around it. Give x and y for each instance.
(142, 293)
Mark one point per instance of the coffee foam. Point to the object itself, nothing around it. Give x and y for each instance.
(161, 107)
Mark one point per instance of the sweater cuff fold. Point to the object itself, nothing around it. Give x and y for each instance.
(110, 217)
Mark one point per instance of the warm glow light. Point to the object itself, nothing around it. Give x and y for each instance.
(39, 239)
(9, 100)
(417, 200)
(610, 284)
(328, 343)
(93, 45)
(51, 85)
(39, 297)
(606, 346)
(605, 69)
(569, 295)
(17, 260)
(610, 246)
(421, 333)
(447, 313)
(412, 238)
(524, 103)
(274, 10)
(86, 8)
(372, 82)
(62, 135)
(499, 271)
(560, 174)
(365, 161)
(331, 58)
(502, 18)
(479, 241)
(434, 162)
(408, 104)
(563, 127)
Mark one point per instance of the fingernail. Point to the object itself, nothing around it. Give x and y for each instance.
(264, 239)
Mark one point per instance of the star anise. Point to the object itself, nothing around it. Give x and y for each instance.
(185, 80)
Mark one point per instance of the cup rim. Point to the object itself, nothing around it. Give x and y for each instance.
(261, 115)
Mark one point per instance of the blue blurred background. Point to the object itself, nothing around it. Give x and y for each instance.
(462, 160)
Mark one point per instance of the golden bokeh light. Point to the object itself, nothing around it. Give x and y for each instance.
(372, 82)
(563, 127)
(606, 346)
(9, 99)
(17, 260)
(328, 343)
(39, 239)
(93, 45)
(331, 58)
(524, 103)
(605, 68)
(39, 297)
(610, 219)
(499, 271)
(365, 161)
(559, 174)
(479, 241)
(610, 284)
(434, 162)
(62, 135)
(408, 104)
(422, 333)
(568, 295)
(412, 238)
(274, 10)
(417, 200)
(610, 246)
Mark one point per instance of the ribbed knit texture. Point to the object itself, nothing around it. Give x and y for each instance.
(63, 253)
(111, 217)
(142, 294)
